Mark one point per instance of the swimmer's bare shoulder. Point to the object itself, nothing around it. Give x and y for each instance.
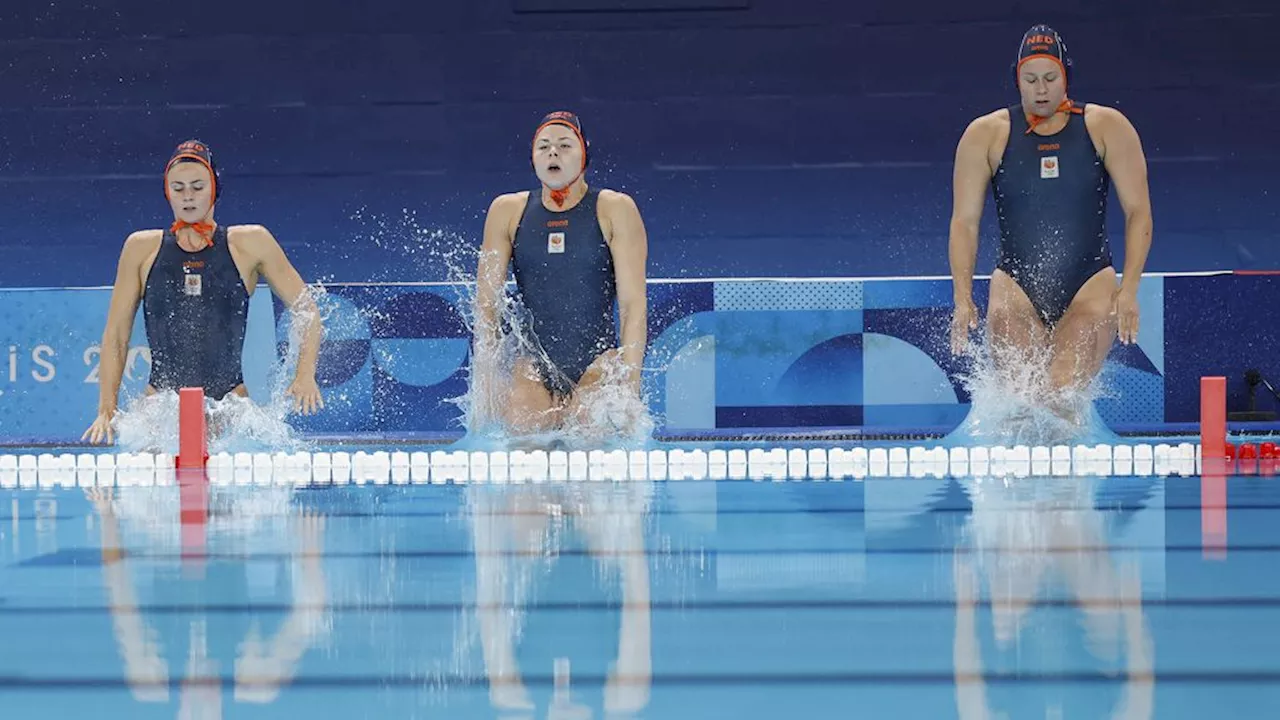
(141, 241)
(258, 254)
(143, 237)
(613, 200)
(139, 248)
(252, 239)
(985, 138)
(1107, 124)
(504, 215)
(252, 247)
(1093, 112)
(619, 210)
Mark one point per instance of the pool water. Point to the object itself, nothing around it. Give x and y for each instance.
(1041, 597)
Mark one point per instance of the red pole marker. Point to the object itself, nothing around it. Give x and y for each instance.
(1214, 462)
(193, 448)
(1213, 417)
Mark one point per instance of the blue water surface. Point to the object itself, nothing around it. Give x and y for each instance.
(906, 598)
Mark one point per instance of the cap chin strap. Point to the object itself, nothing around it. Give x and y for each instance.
(560, 196)
(1067, 106)
(203, 228)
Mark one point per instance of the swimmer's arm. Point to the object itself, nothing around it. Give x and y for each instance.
(629, 246)
(1127, 165)
(971, 177)
(125, 296)
(287, 283)
(491, 272)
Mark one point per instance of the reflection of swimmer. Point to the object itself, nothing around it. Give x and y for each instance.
(1026, 538)
(522, 537)
(262, 665)
(574, 251)
(1050, 161)
(194, 281)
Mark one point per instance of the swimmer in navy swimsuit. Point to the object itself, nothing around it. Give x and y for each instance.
(575, 251)
(194, 281)
(1050, 162)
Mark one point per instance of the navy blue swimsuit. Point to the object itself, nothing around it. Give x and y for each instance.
(196, 305)
(564, 276)
(1051, 196)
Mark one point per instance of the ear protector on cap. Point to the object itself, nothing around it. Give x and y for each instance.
(571, 121)
(198, 152)
(1042, 41)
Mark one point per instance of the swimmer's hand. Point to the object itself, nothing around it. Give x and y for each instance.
(1124, 305)
(963, 321)
(100, 432)
(306, 395)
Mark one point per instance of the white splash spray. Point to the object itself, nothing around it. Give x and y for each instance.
(235, 424)
(1015, 401)
(609, 411)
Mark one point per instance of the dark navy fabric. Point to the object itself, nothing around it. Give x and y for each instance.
(196, 307)
(568, 296)
(1051, 199)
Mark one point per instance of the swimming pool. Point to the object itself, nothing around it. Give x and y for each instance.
(853, 562)
(779, 589)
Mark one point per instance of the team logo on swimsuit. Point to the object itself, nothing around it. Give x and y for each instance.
(555, 242)
(192, 286)
(1049, 167)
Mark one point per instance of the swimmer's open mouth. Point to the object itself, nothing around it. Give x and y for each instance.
(553, 167)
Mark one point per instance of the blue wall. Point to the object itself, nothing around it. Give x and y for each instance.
(723, 355)
(760, 137)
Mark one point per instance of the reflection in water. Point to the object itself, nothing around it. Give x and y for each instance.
(1037, 541)
(152, 647)
(529, 544)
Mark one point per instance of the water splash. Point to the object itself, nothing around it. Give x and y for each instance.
(235, 424)
(608, 411)
(403, 248)
(1014, 401)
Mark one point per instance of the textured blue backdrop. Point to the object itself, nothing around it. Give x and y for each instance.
(760, 137)
(725, 354)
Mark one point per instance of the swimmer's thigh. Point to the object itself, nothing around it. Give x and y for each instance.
(1084, 336)
(1015, 332)
(530, 407)
(603, 375)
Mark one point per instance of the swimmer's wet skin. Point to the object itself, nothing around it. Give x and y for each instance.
(194, 281)
(574, 250)
(1050, 162)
